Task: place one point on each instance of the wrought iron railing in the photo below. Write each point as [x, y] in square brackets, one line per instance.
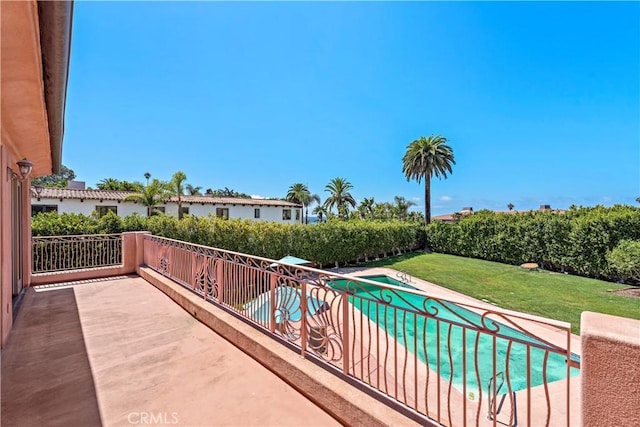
[65, 253]
[454, 363]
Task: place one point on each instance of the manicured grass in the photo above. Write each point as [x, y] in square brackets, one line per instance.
[552, 295]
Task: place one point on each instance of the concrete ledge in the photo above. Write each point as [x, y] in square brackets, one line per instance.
[610, 374]
[343, 401]
[74, 275]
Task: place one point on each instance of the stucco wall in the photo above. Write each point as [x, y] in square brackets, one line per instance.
[88, 206]
[610, 365]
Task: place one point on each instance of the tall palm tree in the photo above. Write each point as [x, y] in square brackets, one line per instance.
[193, 191]
[320, 211]
[425, 158]
[510, 206]
[366, 207]
[299, 193]
[402, 206]
[150, 196]
[340, 196]
[638, 199]
[147, 175]
[307, 199]
[177, 186]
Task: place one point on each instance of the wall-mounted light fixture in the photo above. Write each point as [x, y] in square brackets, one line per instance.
[24, 166]
[38, 189]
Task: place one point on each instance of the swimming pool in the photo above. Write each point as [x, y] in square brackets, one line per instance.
[287, 305]
[419, 333]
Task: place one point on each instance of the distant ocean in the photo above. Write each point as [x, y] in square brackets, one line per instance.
[313, 219]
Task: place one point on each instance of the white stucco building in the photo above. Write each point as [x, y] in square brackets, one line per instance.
[66, 200]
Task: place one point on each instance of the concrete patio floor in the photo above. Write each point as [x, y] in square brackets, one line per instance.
[119, 352]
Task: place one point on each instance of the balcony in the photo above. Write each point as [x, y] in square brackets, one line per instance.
[204, 336]
[119, 352]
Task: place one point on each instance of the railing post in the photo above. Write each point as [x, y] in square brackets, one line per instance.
[272, 303]
[345, 333]
[303, 324]
[220, 280]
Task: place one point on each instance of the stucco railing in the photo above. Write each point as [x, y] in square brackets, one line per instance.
[66, 253]
[433, 359]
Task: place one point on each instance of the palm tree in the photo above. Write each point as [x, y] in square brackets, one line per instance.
[150, 196]
[425, 158]
[402, 206]
[307, 199]
[320, 211]
[177, 187]
[638, 199]
[340, 196]
[510, 206]
[299, 193]
[366, 207]
[147, 175]
[193, 191]
[108, 184]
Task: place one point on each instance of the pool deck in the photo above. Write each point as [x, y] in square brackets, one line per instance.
[119, 352]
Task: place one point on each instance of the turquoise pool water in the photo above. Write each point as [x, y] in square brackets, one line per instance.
[417, 333]
[287, 304]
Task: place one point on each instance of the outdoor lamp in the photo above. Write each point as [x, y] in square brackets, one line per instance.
[25, 167]
[38, 189]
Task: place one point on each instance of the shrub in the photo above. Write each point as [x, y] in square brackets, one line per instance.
[624, 259]
[333, 242]
[576, 241]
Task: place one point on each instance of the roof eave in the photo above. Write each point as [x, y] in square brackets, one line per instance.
[55, 19]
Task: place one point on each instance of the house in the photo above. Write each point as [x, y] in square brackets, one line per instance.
[126, 343]
[82, 201]
[36, 38]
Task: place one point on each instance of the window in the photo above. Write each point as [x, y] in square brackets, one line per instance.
[297, 214]
[222, 213]
[256, 213]
[286, 214]
[35, 209]
[185, 211]
[157, 210]
[103, 210]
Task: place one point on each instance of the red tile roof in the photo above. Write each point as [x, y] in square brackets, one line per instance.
[67, 193]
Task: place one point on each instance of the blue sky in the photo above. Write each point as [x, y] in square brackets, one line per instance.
[540, 101]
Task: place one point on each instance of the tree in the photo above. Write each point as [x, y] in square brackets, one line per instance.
[306, 201]
[108, 184]
[147, 175]
[402, 206]
[117, 185]
[56, 180]
[320, 211]
[299, 193]
[510, 206]
[638, 199]
[340, 196]
[193, 191]
[151, 195]
[177, 187]
[425, 158]
[366, 208]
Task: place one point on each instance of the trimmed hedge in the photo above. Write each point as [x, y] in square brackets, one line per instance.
[576, 241]
[334, 242]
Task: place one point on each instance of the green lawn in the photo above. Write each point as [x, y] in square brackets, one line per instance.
[553, 295]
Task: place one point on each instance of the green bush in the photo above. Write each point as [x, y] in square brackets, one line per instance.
[575, 241]
[331, 243]
[624, 260]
